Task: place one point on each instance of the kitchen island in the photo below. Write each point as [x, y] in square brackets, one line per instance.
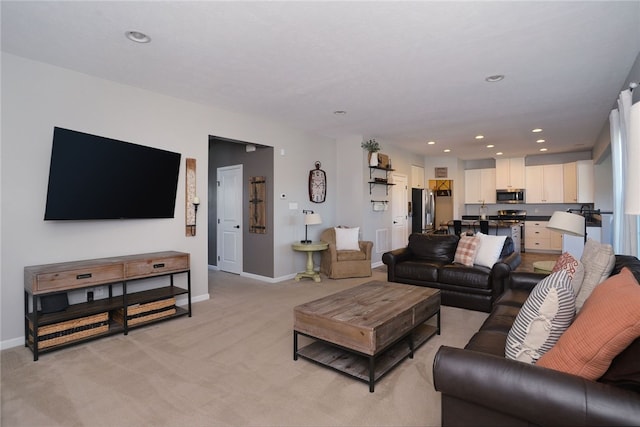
[496, 227]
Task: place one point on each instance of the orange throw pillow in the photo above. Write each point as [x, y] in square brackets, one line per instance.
[608, 322]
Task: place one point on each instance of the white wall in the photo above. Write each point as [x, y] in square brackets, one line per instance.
[36, 97]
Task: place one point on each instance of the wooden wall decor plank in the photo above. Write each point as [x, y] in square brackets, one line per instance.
[190, 193]
[258, 205]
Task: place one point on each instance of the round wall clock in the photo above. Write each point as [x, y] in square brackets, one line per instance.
[317, 184]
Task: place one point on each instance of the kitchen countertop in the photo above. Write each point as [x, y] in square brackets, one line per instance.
[594, 221]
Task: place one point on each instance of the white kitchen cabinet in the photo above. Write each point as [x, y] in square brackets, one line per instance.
[544, 184]
[578, 182]
[480, 186]
[510, 173]
[417, 176]
[539, 238]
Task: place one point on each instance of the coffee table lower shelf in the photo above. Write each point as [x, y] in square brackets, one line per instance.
[362, 366]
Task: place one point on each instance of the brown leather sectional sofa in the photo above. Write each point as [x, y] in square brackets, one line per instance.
[428, 261]
[481, 387]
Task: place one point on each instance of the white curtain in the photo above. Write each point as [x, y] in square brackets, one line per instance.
[625, 227]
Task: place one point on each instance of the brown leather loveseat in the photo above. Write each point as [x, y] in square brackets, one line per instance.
[428, 261]
[480, 386]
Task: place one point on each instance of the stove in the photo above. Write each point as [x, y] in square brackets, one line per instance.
[514, 216]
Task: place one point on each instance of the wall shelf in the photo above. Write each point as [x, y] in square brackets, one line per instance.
[379, 181]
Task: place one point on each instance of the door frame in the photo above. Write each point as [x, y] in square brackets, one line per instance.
[240, 219]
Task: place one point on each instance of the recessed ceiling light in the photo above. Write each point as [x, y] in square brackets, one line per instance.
[540, 141]
[479, 136]
[137, 36]
[543, 149]
[536, 130]
[494, 78]
[499, 153]
[431, 143]
[340, 112]
[490, 146]
[446, 150]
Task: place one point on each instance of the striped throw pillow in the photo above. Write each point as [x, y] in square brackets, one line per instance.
[466, 250]
[545, 315]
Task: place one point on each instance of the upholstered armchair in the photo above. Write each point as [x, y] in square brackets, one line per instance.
[340, 264]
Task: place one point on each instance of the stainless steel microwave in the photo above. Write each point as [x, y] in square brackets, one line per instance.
[510, 196]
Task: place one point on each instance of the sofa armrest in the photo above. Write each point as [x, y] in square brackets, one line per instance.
[521, 391]
[501, 270]
[523, 280]
[390, 259]
[366, 246]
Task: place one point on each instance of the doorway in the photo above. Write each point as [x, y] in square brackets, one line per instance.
[257, 249]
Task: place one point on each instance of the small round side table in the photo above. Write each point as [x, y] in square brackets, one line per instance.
[309, 248]
[543, 266]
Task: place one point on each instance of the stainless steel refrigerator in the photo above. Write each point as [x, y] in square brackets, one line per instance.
[418, 205]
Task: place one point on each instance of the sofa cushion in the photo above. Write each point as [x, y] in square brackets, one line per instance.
[466, 250]
[347, 239]
[490, 342]
[598, 260]
[418, 270]
[501, 320]
[608, 322]
[624, 371]
[574, 269]
[351, 255]
[545, 315]
[489, 249]
[434, 247]
[513, 297]
[468, 277]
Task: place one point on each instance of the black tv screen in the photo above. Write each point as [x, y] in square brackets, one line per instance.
[92, 177]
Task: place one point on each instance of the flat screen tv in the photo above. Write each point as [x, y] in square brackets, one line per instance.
[92, 177]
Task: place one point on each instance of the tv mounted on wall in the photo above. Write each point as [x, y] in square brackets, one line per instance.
[93, 177]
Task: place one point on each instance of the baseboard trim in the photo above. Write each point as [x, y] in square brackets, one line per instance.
[269, 279]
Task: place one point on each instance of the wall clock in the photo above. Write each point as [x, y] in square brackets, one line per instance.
[317, 184]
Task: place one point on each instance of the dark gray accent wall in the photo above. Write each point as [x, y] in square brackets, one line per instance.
[258, 257]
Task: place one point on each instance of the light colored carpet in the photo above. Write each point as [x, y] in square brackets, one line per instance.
[231, 364]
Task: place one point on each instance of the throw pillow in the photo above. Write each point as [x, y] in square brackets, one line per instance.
[608, 322]
[598, 260]
[466, 250]
[545, 315]
[488, 251]
[347, 239]
[574, 269]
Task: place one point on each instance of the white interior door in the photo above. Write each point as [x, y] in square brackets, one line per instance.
[399, 212]
[229, 236]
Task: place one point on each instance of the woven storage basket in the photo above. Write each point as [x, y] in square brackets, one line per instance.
[140, 313]
[70, 330]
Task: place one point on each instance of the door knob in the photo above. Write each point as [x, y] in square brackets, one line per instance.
[236, 226]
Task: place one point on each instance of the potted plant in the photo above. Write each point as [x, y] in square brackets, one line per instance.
[372, 146]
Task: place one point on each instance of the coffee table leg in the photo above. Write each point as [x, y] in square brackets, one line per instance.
[295, 345]
[438, 320]
[372, 369]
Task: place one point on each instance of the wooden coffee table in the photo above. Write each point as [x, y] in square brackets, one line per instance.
[367, 330]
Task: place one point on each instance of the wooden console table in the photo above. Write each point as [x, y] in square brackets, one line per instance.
[101, 317]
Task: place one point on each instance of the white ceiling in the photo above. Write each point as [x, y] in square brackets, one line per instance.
[405, 72]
